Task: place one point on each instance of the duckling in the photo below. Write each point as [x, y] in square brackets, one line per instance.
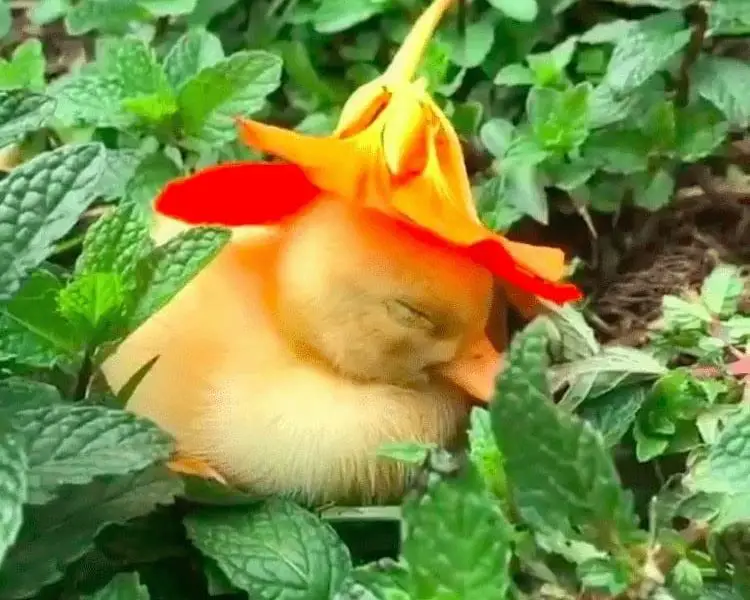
[303, 347]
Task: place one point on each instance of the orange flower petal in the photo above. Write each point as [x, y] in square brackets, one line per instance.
[237, 194]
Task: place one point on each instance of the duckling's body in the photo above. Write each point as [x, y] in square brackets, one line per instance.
[301, 349]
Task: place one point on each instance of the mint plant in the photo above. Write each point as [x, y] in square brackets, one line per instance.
[598, 471]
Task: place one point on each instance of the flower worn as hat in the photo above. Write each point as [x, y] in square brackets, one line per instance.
[394, 151]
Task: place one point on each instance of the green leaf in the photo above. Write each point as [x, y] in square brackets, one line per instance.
[168, 8]
[456, 522]
[607, 33]
[514, 74]
[72, 444]
[333, 16]
[25, 68]
[470, 50]
[722, 290]
[30, 326]
[13, 490]
[408, 452]
[496, 135]
[384, 580]
[618, 150]
[6, 18]
[173, 265]
[523, 189]
[653, 191]
[22, 112]
[686, 579]
[725, 82]
[150, 176]
[559, 119]
[484, 452]
[109, 15]
[41, 200]
[73, 520]
[520, 10]
[125, 84]
[277, 550]
[17, 393]
[574, 481]
[613, 367]
[614, 412]
[116, 243]
[236, 86]
[681, 314]
[726, 468]
[123, 586]
[46, 11]
[645, 49]
[196, 50]
[94, 303]
[701, 129]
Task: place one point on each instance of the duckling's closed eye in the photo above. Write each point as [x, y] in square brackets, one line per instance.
[404, 313]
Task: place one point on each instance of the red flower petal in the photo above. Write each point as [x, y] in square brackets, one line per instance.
[237, 194]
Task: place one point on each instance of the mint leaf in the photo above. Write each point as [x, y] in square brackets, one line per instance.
[126, 83]
[73, 444]
[115, 243]
[496, 135]
[611, 368]
[30, 325]
[277, 550]
[22, 112]
[456, 522]
[333, 16]
[111, 16]
[726, 468]
[722, 289]
[94, 303]
[522, 187]
[173, 265]
[484, 452]
[40, 201]
[470, 50]
[520, 10]
[645, 49]
[13, 490]
[514, 74]
[168, 8]
[191, 53]
[574, 482]
[725, 82]
[17, 393]
[25, 68]
[653, 191]
[701, 129]
[614, 412]
[559, 119]
[618, 150]
[123, 586]
[384, 580]
[408, 452]
[236, 86]
[150, 176]
[73, 520]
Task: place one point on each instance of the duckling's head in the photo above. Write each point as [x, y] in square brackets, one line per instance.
[371, 299]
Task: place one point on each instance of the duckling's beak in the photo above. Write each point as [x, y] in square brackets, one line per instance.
[475, 369]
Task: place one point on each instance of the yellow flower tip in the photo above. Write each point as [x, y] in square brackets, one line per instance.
[404, 134]
[406, 61]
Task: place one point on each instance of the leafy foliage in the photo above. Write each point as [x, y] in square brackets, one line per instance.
[599, 471]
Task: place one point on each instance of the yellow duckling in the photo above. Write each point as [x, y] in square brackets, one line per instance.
[348, 311]
[292, 358]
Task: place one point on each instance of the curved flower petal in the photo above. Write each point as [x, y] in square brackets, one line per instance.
[236, 194]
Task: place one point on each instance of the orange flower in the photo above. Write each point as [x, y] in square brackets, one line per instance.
[394, 151]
